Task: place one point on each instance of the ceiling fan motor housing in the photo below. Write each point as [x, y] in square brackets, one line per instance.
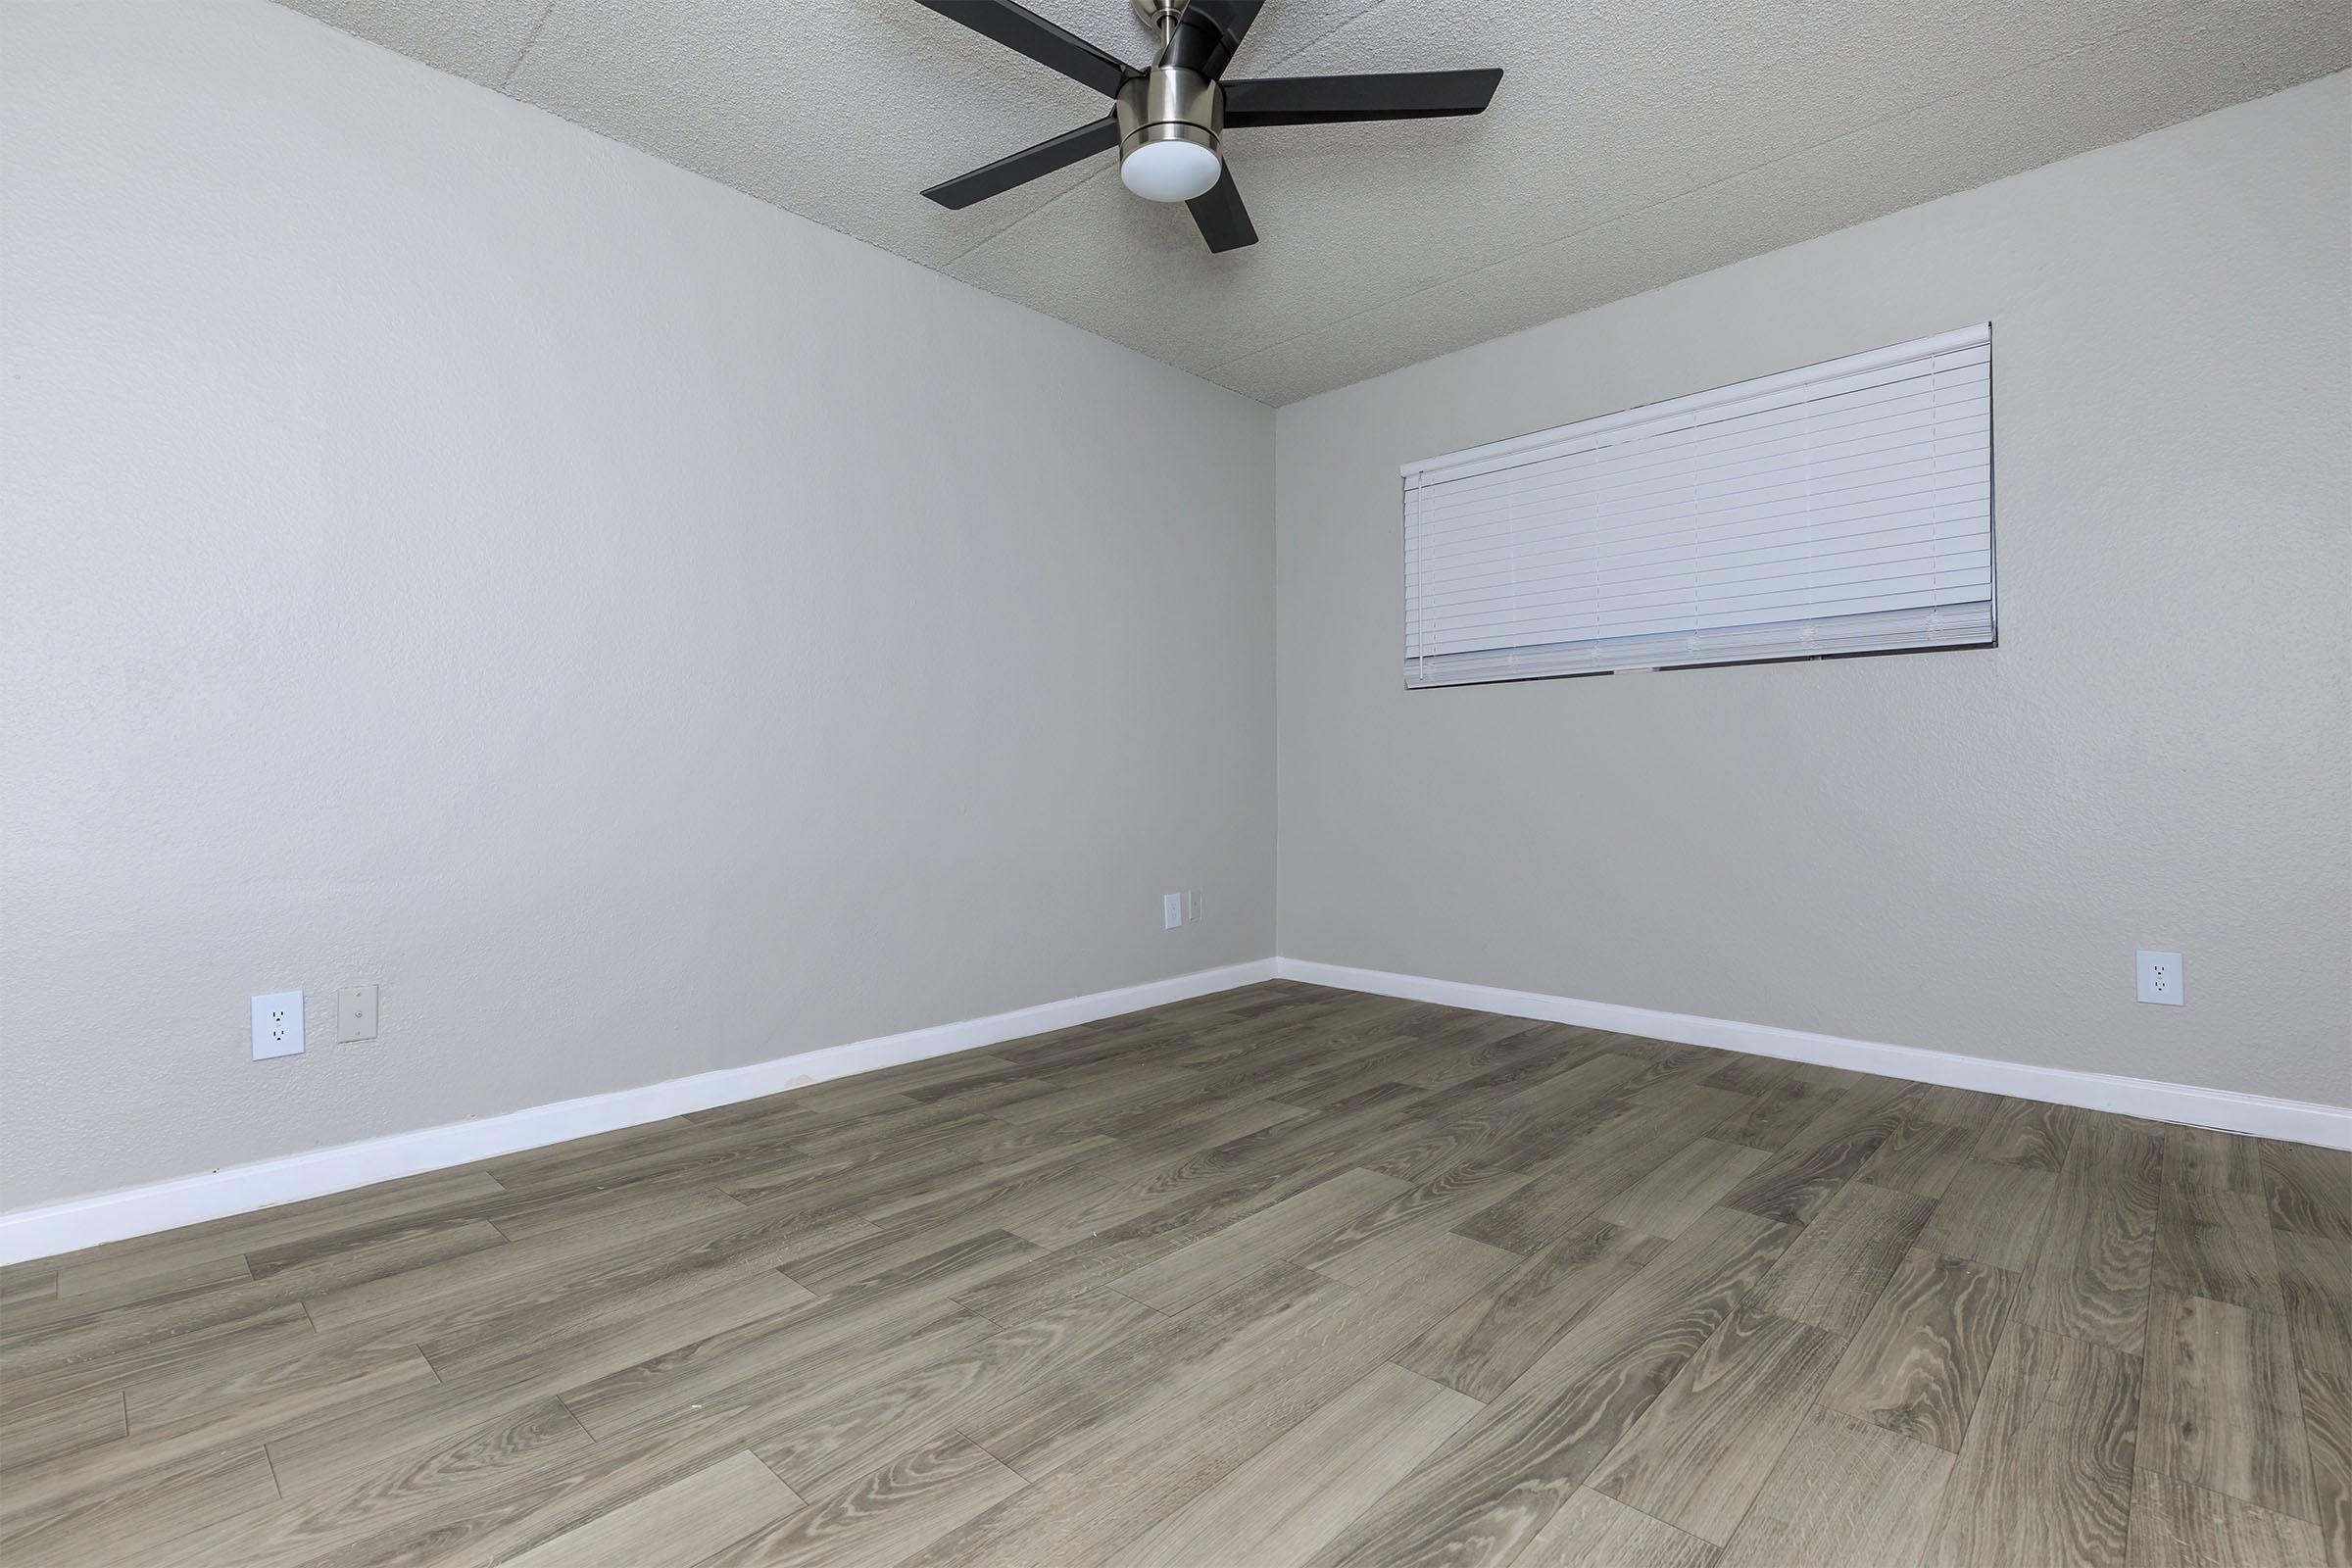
[1170, 102]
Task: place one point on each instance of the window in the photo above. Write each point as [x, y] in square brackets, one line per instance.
[1841, 509]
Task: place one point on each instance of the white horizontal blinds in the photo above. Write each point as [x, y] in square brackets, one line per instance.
[1844, 507]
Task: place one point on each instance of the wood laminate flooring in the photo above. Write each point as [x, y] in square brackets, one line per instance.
[1279, 1277]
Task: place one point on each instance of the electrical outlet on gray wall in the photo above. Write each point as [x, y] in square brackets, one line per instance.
[2160, 979]
[277, 1024]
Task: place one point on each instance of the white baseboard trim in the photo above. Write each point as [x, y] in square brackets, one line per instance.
[81, 1222]
[2296, 1120]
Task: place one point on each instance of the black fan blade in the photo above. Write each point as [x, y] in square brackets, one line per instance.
[1208, 32]
[1396, 95]
[1018, 28]
[1224, 221]
[1018, 168]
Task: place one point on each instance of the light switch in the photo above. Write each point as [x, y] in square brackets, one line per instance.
[355, 1013]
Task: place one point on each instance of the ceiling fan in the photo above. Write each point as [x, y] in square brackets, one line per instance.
[1169, 118]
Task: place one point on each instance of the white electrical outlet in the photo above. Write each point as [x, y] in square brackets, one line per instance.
[2160, 979]
[355, 1013]
[1171, 910]
[277, 1025]
[1191, 907]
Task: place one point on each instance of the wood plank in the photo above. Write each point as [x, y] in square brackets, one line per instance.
[1290, 1497]
[1782, 1098]
[2090, 1279]
[2044, 1477]
[2218, 1246]
[514, 1349]
[1408, 1228]
[679, 1524]
[776, 1359]
[1591, 1531]
[122, 1281]
[1484, 1345]
[1955, 1108]
[1843, 1495]
[2310, 1189]
[2325, 1386]
[1046, 1425]
[1217, 1262]
[943, 1259]
[1832, 1275]
[1916, 1364]
[883, 1519]
[21, 1283]
[59, 1427]
[1994, 1214]
[118, 1348]
[858, 1431]
[2031, 1134]
[256, 1397]
[139, 1519]
[1921, 1157]
[2177, 1524]
[1145, 1173]
[1829, 1152]
[1695, 1178]
[2203, 1159]
[2315, 1279]
[361, 1213]
[1154, 1458]
[1698, 1457]
[1502, 1478]
[1603, 1163]
[2222, 1408]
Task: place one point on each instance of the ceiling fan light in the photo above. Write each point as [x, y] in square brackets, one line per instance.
[1171, 170]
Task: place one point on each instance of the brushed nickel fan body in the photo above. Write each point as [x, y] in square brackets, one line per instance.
[1173, 113]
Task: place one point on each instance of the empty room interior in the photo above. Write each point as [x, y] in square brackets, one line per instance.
[1175, 784]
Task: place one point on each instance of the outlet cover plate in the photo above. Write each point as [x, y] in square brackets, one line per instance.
[2161, 980]
[1171, 910]
[277, 1024]
[355, 1013]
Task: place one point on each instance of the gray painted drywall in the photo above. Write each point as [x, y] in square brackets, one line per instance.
[645, 632]
[1958, 851]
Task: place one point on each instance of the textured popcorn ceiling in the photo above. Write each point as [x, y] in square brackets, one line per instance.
[1633, 142]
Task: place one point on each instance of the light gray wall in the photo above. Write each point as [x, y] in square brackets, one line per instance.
[1958, 851]
[645, 632]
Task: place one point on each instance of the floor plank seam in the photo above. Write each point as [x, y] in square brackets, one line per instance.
[1027, 1479]
[1645, 1513]
[992, 1323]
[575, 1419]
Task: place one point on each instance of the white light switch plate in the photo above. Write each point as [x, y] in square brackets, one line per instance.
[355, 1013]
[2160, 979]
[277, 1026]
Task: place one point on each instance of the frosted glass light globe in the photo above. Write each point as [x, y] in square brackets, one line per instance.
[1170, 170]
